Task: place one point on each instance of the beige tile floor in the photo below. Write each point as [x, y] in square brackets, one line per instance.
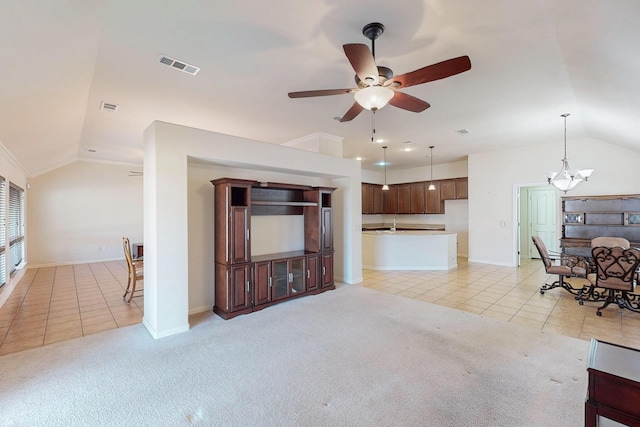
[59, 303]
[513, 295]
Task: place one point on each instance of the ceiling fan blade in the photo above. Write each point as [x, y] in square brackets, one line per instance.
[438, 71]
[408, 102]
[362, 62]
[325, 92]
[352, 113]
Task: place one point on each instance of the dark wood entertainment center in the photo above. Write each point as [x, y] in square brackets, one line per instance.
[243, 283]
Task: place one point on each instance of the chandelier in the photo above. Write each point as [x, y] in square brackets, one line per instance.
[565, 179]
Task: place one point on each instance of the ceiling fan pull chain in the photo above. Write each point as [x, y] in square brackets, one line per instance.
[373, 125]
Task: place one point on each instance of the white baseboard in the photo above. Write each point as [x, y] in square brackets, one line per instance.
[84, 261]
[157, 335]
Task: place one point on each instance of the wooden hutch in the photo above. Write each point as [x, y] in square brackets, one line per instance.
[586, 217]
[244, 283]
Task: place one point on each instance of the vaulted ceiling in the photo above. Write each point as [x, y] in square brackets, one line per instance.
[532, 60]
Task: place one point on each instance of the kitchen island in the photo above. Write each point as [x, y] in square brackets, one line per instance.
[409, 250]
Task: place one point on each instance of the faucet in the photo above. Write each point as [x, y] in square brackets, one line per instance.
[394, 224]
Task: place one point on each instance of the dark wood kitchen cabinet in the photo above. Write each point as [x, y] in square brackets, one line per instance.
[413, 198]
[372, 199]
[452, 189]
[404, 198]
[435, 204]
[418, 200]
[367, 198]
[390, 198]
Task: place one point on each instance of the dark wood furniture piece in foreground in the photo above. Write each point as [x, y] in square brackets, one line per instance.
[244, 283]
[614, 385]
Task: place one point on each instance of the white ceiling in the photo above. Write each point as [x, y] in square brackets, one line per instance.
[532, 60]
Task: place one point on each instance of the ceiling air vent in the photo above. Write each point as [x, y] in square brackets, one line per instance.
[179, 65]
[107, 106]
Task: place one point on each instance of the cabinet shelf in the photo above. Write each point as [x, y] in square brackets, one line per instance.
[276, 203]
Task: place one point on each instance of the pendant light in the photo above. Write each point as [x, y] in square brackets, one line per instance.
[385, 187]
[565, 179]
[431, 186]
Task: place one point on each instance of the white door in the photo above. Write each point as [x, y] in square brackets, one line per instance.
[542, 218]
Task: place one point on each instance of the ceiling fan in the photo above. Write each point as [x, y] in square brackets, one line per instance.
[377, 85]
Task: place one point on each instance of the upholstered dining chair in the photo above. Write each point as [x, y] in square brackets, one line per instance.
[136, 272]
[569, 266]
[610, 242]
[616, 269]
[592, 293]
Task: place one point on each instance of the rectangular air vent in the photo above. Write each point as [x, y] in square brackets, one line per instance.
[107, 106]
[179, 65]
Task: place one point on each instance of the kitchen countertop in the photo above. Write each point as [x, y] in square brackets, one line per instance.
[401, 226]
[388, 232]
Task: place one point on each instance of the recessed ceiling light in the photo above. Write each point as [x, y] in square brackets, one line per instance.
[358, 158]
[380, 141]
[408, 149]
[462, 131]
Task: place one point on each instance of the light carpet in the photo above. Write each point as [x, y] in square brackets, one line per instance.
[349, 357]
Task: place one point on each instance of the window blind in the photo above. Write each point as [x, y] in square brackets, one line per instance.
[3, 233]
[16, 226]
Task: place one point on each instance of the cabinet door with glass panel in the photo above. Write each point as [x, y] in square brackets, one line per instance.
[288, 277]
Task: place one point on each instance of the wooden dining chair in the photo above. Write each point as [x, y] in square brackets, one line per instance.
[616, 269]
[136, 272]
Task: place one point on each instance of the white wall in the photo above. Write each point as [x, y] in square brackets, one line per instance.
[171, 195]
[494, 175]
[12, 171]
[79, 213]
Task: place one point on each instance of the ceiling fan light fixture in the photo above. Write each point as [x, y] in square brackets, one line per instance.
[374, 97]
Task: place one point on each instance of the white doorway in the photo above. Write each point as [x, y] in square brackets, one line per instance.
[537, 216]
